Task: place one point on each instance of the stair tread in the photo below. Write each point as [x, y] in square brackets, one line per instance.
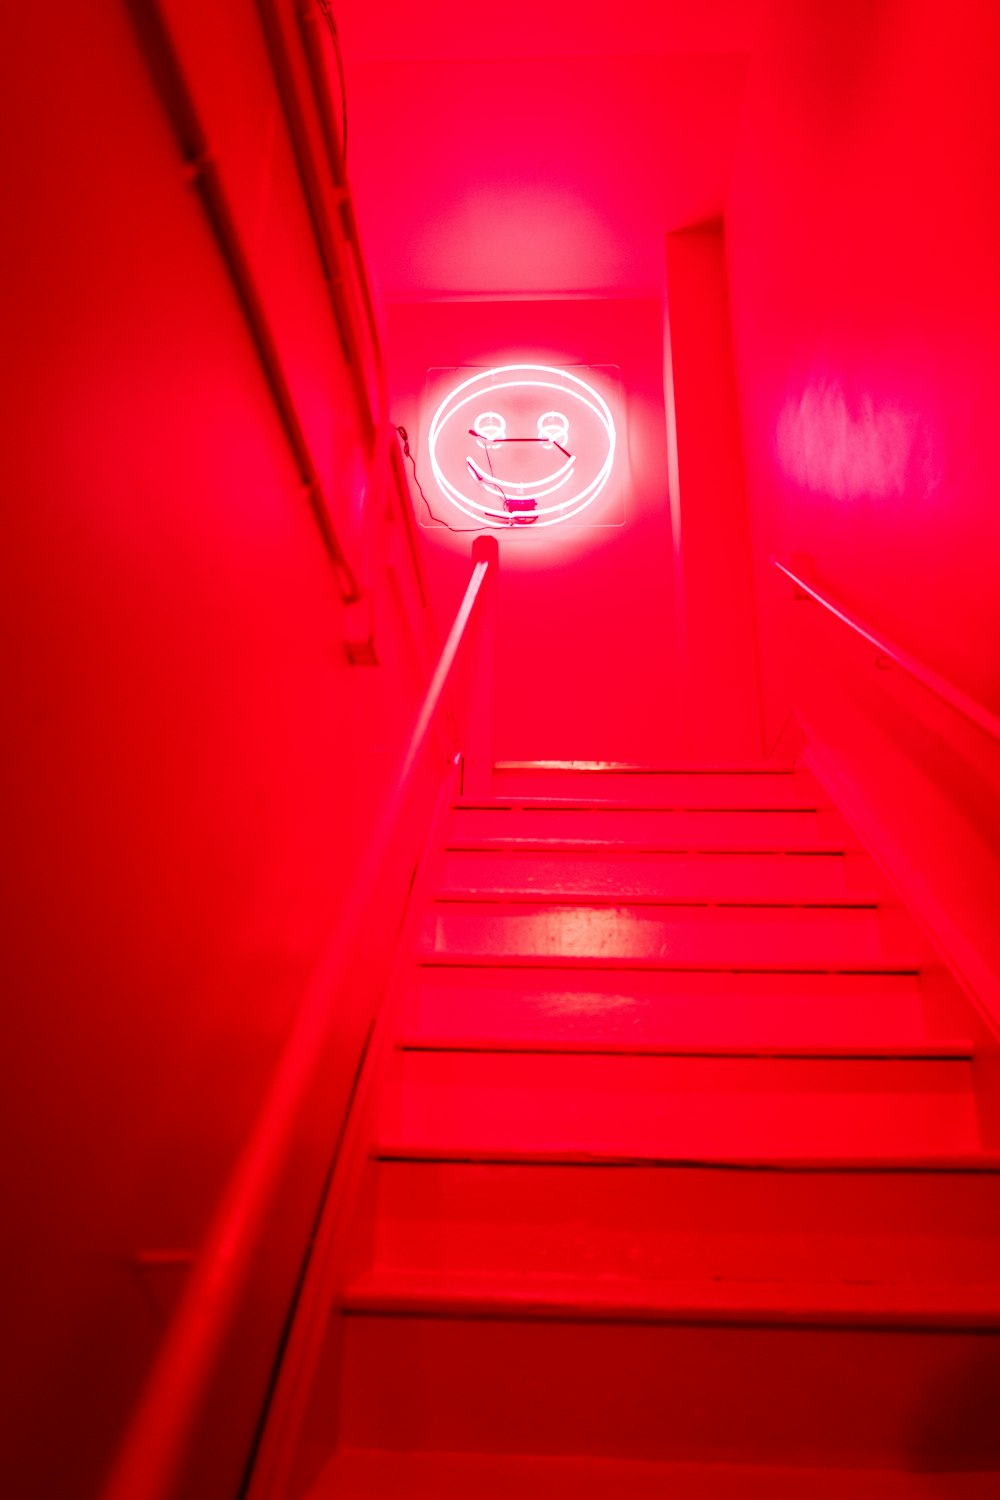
[665, 1008]
[381, 1475]
[759, 879]
[520, 1293]
[722, 937]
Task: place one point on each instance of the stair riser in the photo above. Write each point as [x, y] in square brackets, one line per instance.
[680, 1108]
[677, 1223]
[663, 1009]
[720, 789]
[633, 828]
[671, 1391]
[361, 1475]
[719, 937]
[755, 878]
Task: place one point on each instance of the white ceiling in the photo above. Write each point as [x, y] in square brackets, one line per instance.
[401, 31]
[531, 150]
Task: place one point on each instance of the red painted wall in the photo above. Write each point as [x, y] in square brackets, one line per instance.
[863, 233]
[585, 666]
[191, 765]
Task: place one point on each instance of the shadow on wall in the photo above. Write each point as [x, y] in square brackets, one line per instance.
[954, 1425]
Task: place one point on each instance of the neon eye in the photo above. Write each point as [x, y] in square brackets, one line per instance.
[490, 426]
[554, 427]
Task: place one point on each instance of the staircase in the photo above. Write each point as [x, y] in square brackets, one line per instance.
[677, 1184]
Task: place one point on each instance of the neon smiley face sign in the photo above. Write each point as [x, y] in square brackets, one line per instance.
[522, 445]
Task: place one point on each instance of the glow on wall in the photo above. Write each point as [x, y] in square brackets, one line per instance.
[522, 445]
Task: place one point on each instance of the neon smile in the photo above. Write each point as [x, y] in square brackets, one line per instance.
[523, 499]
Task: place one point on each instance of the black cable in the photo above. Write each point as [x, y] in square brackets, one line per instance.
[327, 14]
[404, 435]
[520, 516]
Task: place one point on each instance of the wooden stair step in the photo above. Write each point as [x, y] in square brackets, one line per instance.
[678, 1108]
[851, 1223]
[758, 879]
[644, 1008]
[736, 937]
[683, 1390]
[519, 1294]
[645, 787]
[373, 1475]
[500, 826]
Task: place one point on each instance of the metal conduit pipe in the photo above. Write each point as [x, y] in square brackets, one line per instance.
[175, 96]
[372, 403]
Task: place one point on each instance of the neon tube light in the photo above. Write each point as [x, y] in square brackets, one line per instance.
[516, 414]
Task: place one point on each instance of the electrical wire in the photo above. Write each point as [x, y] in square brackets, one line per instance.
[518, 513]
[517, 518]
[404, 437]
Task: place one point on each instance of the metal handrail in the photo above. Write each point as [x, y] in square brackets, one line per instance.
[159, 1438]
[946, 691]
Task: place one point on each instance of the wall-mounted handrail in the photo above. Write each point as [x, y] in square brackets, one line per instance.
[158, 1442]
[946, 691]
